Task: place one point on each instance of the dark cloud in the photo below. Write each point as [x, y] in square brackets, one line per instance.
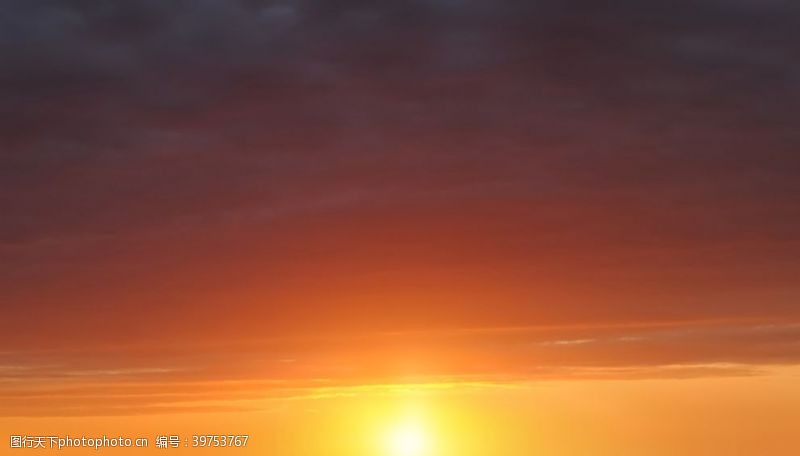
[571, 137]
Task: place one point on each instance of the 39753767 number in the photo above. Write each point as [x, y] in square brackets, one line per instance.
[219, 441]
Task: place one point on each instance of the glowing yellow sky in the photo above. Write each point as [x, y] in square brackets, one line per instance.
[702, 417]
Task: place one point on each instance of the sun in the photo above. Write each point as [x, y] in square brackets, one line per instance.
[407, 439]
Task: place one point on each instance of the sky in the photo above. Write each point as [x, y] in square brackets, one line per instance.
[547, 215]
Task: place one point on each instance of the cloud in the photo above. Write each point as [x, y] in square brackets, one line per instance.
[252, 374]
[179, 171]
[208, 98]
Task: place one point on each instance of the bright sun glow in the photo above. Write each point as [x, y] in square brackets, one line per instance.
[408, 439]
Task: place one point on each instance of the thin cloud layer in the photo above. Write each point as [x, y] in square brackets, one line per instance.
[252, 375]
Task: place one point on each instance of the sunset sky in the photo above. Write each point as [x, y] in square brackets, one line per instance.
[507, 228]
